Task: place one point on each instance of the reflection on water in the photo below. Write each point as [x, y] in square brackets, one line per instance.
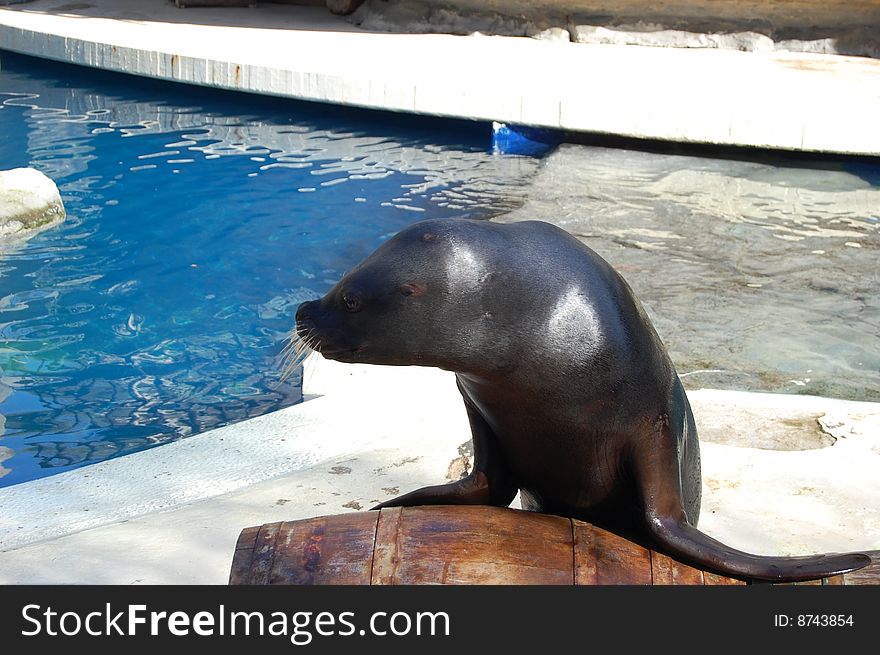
[758, 276]
[197, 222]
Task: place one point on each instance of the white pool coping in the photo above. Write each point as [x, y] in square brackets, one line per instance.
[222, 460]
[792, 101]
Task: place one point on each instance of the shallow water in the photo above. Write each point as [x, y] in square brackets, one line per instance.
[197, 222]
[760, 274]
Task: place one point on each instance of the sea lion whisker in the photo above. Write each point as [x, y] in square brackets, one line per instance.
[309, 343]
[294, 353]
[292, 339]
[288, 348]
[309, 365]
[287, 354]
[283, 359]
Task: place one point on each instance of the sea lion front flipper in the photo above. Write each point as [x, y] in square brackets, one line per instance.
[489, 483]
[658, 477]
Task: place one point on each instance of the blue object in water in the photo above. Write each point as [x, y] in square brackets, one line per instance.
[523, 140]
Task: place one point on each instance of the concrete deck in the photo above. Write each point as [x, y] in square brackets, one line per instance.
[792, 101]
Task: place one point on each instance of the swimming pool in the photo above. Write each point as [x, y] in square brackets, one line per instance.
[197, 222]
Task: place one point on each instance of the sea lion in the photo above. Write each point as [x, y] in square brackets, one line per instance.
[571, 396]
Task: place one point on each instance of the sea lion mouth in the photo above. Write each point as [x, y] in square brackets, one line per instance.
[323, 343]
[345, 355]
[339, 354]
[330, 351]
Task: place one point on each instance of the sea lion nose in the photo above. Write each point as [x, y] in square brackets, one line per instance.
[302, 312]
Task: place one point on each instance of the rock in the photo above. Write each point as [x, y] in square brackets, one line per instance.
[5, 390]
[796, 26]
[646, 34]
[5, 453]
[557, 34]
[431, 18]
[29, 203]
[745, 41]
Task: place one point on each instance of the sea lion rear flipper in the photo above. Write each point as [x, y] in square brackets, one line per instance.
[658, 478]
[683, 541]
[489, 483]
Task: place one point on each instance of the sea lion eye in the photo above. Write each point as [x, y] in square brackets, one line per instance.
[411, 289]
[352, 302]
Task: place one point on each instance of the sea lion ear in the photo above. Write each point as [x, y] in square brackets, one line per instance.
[412, 289]
[429, 236]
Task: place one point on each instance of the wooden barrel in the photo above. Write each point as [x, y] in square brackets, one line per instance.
[462, 545]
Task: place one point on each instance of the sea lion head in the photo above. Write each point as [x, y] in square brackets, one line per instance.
[422, 298]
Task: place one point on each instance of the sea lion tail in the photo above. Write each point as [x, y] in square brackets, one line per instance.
[684, 541]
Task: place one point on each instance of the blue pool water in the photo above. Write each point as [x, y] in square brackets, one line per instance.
[197, 222]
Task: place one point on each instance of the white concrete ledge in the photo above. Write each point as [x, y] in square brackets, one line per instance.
[233, 457]
[792, 101]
